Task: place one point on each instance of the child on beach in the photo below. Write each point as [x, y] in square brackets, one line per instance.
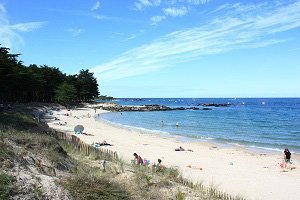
[158, 166]
[138, 159]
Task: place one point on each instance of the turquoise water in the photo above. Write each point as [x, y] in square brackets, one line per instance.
[272, 124]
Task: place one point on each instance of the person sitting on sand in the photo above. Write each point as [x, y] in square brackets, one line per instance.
[139, 160]
[158, 166]
[287, 155]
[104, 143]
[182, 149]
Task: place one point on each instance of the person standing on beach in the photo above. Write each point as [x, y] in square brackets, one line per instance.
[287, 155]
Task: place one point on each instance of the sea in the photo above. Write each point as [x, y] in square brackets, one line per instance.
[263, 124]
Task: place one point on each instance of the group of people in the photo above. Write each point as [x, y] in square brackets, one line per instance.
[139, 161]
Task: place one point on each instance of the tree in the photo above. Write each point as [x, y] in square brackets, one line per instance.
[19, 83]
[87, 86]
[65, 93]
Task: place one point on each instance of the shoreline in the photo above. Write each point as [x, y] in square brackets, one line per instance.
[183, 138]
[234, 170]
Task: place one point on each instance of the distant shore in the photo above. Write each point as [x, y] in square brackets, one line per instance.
[235, 170]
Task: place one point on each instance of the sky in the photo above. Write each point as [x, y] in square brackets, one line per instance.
[163, 48]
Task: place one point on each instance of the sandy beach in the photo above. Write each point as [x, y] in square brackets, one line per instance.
[253, 175]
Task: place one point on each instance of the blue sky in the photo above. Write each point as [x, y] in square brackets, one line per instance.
[163, 48]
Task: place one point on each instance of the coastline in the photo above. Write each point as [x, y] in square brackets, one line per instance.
[235, 170]
[182, 138]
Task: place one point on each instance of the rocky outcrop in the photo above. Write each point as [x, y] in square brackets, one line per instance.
[155, 107]
[215, 104]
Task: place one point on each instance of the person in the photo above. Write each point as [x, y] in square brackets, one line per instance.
[180, 149]
[287, 155]
[158, 166]
[104, 143]
[139, 160]
[177, 124]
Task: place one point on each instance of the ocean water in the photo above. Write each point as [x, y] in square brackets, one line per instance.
[260, 123]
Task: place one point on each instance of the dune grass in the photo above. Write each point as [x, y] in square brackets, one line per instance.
[7, 185]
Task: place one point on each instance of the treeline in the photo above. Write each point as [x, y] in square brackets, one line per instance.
[19, 83]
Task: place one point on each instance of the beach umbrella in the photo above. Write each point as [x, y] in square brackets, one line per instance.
[78, 129]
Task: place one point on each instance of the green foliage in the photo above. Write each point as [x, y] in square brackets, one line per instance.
[7, 186]
[87, 86]
[65, 93]
[180, 195]
[105, 97]
[19, 83]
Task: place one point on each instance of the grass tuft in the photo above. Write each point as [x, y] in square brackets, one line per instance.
[7, 186]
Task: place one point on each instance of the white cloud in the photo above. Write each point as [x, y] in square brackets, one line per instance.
[96, 6]
[141, 4]
[75, 32]
[156, 19]
[9, 33]
[226, 33]
[27, 27]
[172, 11]
[197, 2]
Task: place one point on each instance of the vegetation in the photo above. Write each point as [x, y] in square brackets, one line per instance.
[20, 83]
[6, 185]
[105, 97]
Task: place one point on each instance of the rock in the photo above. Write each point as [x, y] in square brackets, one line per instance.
[215, 104]
[144, 108]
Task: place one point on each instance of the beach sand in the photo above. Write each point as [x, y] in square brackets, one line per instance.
[251, 174]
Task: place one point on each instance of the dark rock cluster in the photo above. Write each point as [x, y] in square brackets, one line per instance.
[215, 104]
[155, 107]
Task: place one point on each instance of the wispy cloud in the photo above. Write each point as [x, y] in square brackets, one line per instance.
[175, 8]
[197, 2]
[9, 33]
[226, 33]
[156, 19]
[96, 6]
[141, 4]
[27, 27]
[75, 32]
[173, 11]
